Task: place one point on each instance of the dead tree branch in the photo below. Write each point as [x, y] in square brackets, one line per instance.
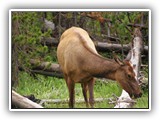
[137, 25]
[23, 102]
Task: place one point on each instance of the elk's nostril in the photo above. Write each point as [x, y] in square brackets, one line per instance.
[131, 95]
[138, 95]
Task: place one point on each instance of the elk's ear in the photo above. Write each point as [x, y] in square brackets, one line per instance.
[120, 62]
[117, 59]
[128, 57]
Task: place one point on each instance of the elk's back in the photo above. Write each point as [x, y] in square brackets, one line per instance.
[73, 49]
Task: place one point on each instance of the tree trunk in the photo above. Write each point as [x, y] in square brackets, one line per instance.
[23, 102]
[135, 54]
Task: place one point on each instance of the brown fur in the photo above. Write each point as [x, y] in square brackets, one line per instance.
[80, 63]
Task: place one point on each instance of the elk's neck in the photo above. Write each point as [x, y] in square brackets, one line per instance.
[103, 68]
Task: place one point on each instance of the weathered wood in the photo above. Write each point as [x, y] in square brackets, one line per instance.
[135, 54]
[124, 97]
[137, 25]
[103, 46]
[100, 46]
[46, 66]
[45, 73]
[23, 102]
[49, 41]
[49, 25]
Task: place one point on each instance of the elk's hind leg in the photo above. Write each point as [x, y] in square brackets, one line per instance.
[91, 95]
[71, 86]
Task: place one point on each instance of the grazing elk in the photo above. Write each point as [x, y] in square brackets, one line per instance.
[80, 63]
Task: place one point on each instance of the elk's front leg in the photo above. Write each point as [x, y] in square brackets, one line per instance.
[84, 90]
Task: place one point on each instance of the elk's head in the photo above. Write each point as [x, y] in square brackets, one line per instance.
[125, 76]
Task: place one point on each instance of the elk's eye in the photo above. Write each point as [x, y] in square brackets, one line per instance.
[129, 76]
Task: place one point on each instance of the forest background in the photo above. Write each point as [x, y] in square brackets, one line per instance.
[35, 36]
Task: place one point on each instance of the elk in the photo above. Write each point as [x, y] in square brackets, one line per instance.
[80, 63]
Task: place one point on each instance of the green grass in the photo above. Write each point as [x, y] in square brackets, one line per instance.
[143, 101]
[54, 88]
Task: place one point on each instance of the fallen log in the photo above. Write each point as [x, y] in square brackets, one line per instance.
[49, 41]
[100, 46]
[103, 46]
[23, 102]
[45, 73]
[46, 66]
